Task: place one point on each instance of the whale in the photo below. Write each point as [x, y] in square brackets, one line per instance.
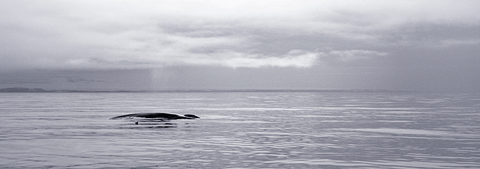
[166, 116]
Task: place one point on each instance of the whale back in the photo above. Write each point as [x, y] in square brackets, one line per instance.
[191, 116]
[158, 115]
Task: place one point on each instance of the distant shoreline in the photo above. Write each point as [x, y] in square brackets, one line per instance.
[40, 90]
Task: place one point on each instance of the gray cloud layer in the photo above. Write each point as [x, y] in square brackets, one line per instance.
[391, 43]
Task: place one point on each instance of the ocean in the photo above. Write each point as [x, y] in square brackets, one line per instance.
[311, 129]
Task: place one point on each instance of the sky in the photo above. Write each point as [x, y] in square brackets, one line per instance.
[407, 45]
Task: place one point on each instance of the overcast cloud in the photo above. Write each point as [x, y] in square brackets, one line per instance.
[429, 45]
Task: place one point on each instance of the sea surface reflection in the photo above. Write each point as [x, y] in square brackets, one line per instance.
[241, 130]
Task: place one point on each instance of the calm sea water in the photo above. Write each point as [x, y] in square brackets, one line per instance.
[241, 130]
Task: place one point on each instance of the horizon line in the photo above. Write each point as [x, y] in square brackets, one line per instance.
[40, 90]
